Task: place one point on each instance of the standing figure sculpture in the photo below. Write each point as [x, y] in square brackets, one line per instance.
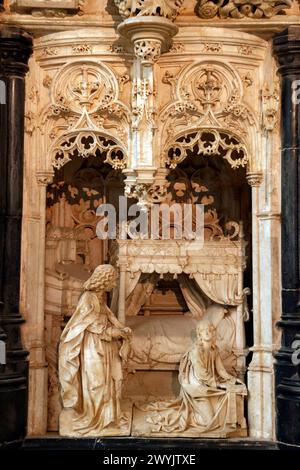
[210, 402]
[93, 347]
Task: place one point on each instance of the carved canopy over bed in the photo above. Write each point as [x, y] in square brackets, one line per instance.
[210, 277]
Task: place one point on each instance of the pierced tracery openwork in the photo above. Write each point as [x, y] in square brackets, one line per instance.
[208, 142]
[85, 116]
[85, 144]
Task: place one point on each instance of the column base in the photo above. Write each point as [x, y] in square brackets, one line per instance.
[288, 410]
[261, 403]
[13, 407]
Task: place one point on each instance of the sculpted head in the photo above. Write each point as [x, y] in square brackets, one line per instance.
[205, 331]
[103, 279]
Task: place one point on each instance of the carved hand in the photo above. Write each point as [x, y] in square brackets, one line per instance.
[118, 334]
[127, 331]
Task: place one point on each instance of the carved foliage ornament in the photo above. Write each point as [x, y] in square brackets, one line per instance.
[85, 144]
[148, 51]
[208, 142]
[237, 9]
[270, 105]
[164, 8]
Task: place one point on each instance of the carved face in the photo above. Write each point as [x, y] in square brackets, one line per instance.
[205, 332]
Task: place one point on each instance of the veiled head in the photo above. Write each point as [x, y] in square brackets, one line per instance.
[103, 278]
[205, 331]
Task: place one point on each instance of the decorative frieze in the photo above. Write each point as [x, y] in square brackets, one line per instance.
[237, 9]
[82, 49]
[213, 47]
[53, 8]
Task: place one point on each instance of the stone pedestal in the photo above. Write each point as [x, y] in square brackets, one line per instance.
[15, 49]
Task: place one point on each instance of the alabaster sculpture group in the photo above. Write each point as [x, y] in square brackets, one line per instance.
[94, 353]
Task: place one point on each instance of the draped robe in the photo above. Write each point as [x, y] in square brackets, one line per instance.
[202, 404]
[90, 365]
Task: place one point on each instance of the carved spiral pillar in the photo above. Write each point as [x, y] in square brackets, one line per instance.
[15, 49]
[287, 49]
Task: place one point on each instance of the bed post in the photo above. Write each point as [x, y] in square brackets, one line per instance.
[122, 294]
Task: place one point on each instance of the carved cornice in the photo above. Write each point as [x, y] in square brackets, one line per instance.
[44, 8]
[237, 9]
[15, 50]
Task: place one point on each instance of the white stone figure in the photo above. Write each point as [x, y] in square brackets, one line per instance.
[93, 346]
[210, 401]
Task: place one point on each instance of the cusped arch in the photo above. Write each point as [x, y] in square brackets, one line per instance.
[84, 143]
[209, 142]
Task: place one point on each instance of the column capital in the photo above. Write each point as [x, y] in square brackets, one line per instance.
[254, 178]
[286, 47]
[15, 50]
